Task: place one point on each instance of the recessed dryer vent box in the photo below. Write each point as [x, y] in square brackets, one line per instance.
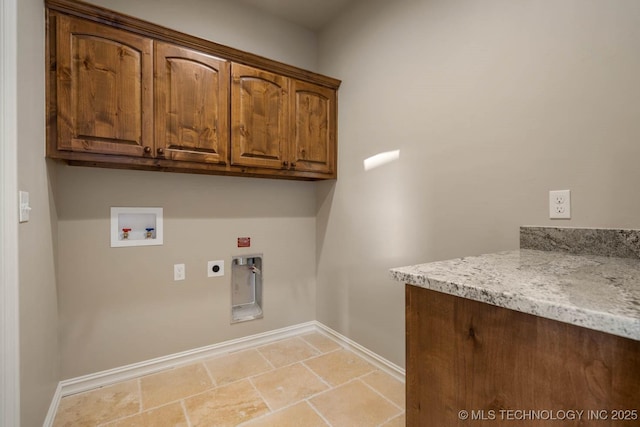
[246, 288]
[136, 227]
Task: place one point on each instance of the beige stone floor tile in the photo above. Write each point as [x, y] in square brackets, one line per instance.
[171, 415]
[174, 384]
[299, 415]
[321, 342]
[287, 385]
[354, 404]
[399, 421]
[388, 386]
[339, 366]
[99, 406]
[244, 387]
[228, 405]
[236, 366]
[287, 351]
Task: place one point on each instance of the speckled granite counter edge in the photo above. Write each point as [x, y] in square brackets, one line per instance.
[599, 321]
[582, 241]
[613, 243]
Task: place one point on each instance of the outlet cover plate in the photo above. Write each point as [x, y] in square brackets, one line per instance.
[560, 204]
[179, 272]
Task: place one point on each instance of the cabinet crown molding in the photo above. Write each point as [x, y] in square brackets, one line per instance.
[147, 29]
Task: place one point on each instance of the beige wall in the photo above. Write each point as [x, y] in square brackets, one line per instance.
[491, 104]
[39, 355]
[229, 23]
[121, 305]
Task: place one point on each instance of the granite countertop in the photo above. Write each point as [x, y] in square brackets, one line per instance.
[592, 291]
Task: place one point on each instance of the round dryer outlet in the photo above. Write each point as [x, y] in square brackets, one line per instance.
[215, 268]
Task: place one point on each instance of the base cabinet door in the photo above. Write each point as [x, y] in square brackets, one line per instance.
[104, 89]
[192, 98]
[472, 364]
[259, 118]
[313, 146]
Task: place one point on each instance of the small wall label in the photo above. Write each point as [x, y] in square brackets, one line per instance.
[244, 242]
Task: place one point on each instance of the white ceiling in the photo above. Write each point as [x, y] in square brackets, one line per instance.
[312, 14]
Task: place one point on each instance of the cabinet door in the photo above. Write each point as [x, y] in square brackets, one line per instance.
[104, 88]
[313, 139]
[192, 98]
[259, 113]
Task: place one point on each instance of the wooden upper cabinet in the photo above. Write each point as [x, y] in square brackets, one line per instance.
[259, 117]
[313, 140]
[282, 123]
[104, 89]
[126, 93]
[192, 105]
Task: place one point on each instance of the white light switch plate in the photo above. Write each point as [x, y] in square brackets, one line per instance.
[25, 209]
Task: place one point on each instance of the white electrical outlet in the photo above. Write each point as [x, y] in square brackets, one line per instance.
[560, 204]
[179, 272]
[215, 268]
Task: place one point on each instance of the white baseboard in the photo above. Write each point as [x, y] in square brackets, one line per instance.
[135, 370]
[53, 407]
[123, 373]
[368, 355]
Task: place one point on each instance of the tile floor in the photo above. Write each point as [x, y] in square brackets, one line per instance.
[304, 381]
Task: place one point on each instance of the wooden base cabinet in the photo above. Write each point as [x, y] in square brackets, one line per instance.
[125, 93]
[474, 364]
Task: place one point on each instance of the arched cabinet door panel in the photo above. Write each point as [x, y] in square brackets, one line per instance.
[192, 113]
[259, 117]
[104, 89]
[313, 146]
